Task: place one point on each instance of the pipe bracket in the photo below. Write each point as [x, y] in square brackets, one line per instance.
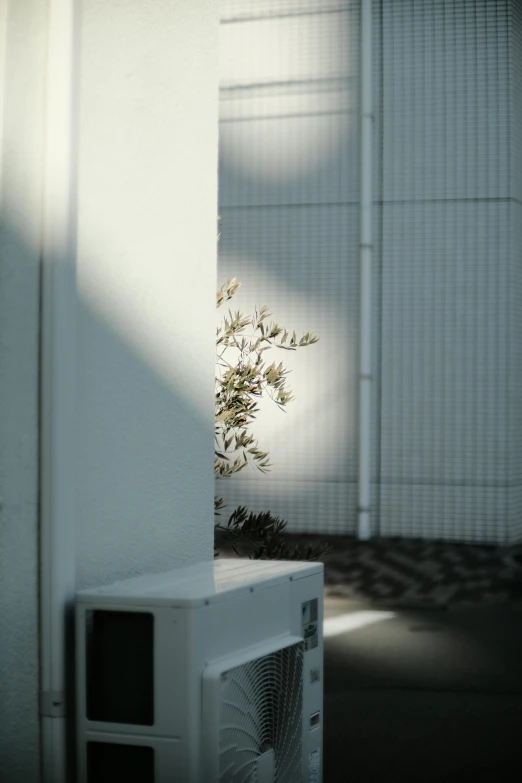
[52, 704]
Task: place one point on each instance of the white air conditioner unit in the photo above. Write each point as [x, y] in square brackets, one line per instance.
[207, 674]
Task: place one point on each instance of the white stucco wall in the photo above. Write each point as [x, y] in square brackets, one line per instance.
[146, 280]
[147, 207]
[22, 71]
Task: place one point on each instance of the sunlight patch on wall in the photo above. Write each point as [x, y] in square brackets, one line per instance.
[306, 441]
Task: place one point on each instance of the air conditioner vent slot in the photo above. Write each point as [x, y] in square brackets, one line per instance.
[120, 667]
[108, 762]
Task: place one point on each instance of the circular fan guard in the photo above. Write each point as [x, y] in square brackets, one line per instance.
[260, 711]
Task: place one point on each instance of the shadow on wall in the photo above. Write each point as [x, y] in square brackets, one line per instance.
[19, 667]
[144, 489]
[145, 473]
[141, 442]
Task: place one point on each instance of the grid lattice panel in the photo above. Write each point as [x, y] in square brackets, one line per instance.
[288, 113]
[446, 270]
[445, 369]
[515, 81]
[303, 263]
[515, 67]
[446, 99]
[316, 507]
[515, 372]
[447, 155]
[289, 206]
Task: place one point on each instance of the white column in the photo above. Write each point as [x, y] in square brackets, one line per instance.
[366, 252]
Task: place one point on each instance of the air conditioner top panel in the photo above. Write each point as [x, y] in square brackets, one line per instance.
[195, 585]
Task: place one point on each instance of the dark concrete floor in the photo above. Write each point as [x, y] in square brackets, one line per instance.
[433, 694]
[424, 696]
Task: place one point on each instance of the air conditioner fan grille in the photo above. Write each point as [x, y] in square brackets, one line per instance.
[260, 711]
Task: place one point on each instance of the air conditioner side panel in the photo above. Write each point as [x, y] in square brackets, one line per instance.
[303, 591]
[172, 689]
[167, 753]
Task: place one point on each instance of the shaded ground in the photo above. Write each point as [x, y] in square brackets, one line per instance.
[433, 693]
[424, 697]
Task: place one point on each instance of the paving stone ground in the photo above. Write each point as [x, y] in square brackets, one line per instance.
[419, 573]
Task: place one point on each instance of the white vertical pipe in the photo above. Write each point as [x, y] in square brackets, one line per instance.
[58, 392]
[366, 252]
